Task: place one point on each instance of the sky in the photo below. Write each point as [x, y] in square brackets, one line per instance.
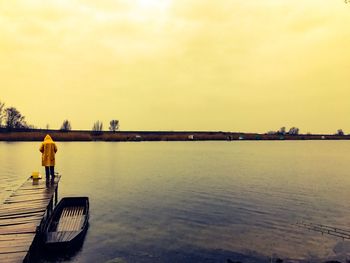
[174, 65]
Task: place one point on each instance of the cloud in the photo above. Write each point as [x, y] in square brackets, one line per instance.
[208, 58]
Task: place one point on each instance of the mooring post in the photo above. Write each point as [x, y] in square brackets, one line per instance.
[50, 208]
[56, 195]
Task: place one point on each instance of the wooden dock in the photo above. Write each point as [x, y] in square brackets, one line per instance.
[21, 216]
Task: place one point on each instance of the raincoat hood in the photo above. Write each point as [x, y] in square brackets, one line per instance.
[48, 138]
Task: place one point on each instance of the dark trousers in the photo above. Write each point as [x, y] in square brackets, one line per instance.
[50, 170]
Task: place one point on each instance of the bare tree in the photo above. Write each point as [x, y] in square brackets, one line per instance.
[282, 131]
[97, 127]
[293, 131]
[340, 132]
[14, 119]
[114, 125]
[2, 112]
[66, 126]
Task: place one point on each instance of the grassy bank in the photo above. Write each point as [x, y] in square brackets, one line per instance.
[38, 135]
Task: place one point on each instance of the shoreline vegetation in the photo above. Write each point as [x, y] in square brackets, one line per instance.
[17, 129]
[121, 136]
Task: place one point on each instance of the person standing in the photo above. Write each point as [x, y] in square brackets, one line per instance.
[48, 149]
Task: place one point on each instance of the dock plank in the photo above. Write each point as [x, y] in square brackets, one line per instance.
[16, 237]
[40, 213]
[13, 248]
[19, 228]
[19, 220]
[21, 215]
[12, 206]
[32, 191]
[13, 257]
[14, 212]
[28, 202]
[29, 194]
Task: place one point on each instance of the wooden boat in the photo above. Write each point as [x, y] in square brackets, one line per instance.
[68, 223]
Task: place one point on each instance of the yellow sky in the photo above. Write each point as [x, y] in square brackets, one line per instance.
[230, 65]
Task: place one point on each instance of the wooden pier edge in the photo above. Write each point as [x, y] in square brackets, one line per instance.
[22, 216]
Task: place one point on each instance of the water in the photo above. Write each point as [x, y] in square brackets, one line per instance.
[198, 201]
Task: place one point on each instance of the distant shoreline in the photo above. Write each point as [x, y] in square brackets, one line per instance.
[125, 136]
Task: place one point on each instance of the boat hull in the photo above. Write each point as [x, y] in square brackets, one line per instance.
[67, 226]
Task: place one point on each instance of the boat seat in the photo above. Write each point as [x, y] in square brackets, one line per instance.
[71, 219]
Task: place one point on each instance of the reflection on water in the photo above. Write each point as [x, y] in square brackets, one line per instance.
[199, 201]
[16, 164]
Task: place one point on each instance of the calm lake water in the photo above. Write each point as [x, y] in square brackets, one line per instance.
[198, 201]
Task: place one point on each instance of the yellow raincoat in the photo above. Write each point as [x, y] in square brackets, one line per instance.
[48, 149]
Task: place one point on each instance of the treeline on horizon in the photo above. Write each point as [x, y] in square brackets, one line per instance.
[14, 121]
[11, 120]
